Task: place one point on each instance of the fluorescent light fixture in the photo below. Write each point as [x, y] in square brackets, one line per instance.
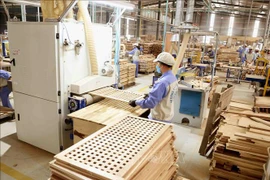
[256, 28]
[119, 4]
[231, 22]
[212, 20]
[127, 28]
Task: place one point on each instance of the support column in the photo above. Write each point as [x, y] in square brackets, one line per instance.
[266, 29]
[139, 23]
[38, 14]
[248, 21]
[173, 12]
[107, 16]
[158, 18]
[23, 12]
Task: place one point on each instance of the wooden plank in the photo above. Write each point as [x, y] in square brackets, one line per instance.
[241, 106]
[255, 137]
[262, 102]
[260, 121]
[181, 53]
[250, 114]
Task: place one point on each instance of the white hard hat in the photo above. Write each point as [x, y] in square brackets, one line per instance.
[257, 49]
[135, 44]
[249, 47]
[165, 58]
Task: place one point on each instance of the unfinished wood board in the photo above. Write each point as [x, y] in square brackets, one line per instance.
[241, 106]
[250, 114]
[117, 94]
[262, 102]
[220, 102]
[114, 151]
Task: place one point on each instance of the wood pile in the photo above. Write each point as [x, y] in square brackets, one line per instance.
[156, 49]
[146, 63]
[116, 94]
[262, 104]
[266, 167]
[128, 149]
[123, 65]
[93, 117]
[6, 112]
[147, 48]
[240, 149]
[226, 55]
[131, 69]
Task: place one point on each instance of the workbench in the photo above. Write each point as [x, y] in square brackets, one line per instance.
[202, 68]
[238, 69]
[190, 105]
[98, 115]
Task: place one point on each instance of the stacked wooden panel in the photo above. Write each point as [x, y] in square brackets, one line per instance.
[123, 66]
[147, 48]
[116, 94]
[226, 55]
[133, 148]
[156, 49]
[266, 167]
[131, 68]
[240, 148]
[98, 115]
[262, 104]
[146, 63]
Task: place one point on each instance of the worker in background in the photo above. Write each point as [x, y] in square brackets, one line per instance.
[249, 57]
[4, 90]
[242, 50]
[135, 58]
[211, 53]
[256, 55]
[161, 97]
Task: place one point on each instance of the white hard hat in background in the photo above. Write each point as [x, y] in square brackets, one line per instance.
[257, 49]
[135, 44]
[165, 58]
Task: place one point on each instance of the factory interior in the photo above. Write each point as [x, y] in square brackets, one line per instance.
[135, 90]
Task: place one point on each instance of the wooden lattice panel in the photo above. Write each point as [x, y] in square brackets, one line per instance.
[116, 152]
[112, 93]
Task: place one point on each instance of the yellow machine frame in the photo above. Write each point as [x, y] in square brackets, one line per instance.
[261, 71]
[266, 86]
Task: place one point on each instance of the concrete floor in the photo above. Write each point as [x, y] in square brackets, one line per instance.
[20, 160]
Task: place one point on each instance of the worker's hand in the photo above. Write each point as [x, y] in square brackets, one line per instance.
[132, 103]
[146, 96]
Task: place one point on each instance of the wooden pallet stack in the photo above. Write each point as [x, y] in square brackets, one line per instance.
[147, 48]
[131, 69]
[262, 104]
[146, 63]
[128, 149]
[226, 55]
[123, 65]
[241, 144]
[266, 167]
[156, 49]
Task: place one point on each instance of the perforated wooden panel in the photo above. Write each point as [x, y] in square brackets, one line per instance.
[112, 93]
[115, 149]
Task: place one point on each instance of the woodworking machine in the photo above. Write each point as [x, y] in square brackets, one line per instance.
[50, 62]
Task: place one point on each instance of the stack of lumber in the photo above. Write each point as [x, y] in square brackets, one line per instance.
[116, 94]
[133, 148]
[156, 49]
[98, 115]
[226, 55]
[266, 167]
[131, 68]
[208, 79]
[6, 112]
[262, 104]
[147, 48]
[240, 149]
[146, 63]
[240, 105]
[123, 66]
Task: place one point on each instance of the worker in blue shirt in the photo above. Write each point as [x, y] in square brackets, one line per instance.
[135, 58]
[242, 53]
[211, 53]
[161, 97]
[4, 90]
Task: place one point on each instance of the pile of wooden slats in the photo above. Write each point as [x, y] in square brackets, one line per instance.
[116, 94]
[147, 48]
[6, 112]
[240, 149]
[262, 104]
[133, 148]
[146, 63]
[156, 49]
[100, 114]
[266, 167]
[131, 68]
[226, 55]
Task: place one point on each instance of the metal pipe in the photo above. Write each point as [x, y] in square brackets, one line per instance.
[190, 10]
[179, 12]
[215, 61]
[69, 7]
[248, 21]
[165, 27]
[158, 18]
[139, 24]
[267, 23]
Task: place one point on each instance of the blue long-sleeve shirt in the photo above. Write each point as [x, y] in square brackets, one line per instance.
[132, 52]
[158, 92]
[4, 74]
